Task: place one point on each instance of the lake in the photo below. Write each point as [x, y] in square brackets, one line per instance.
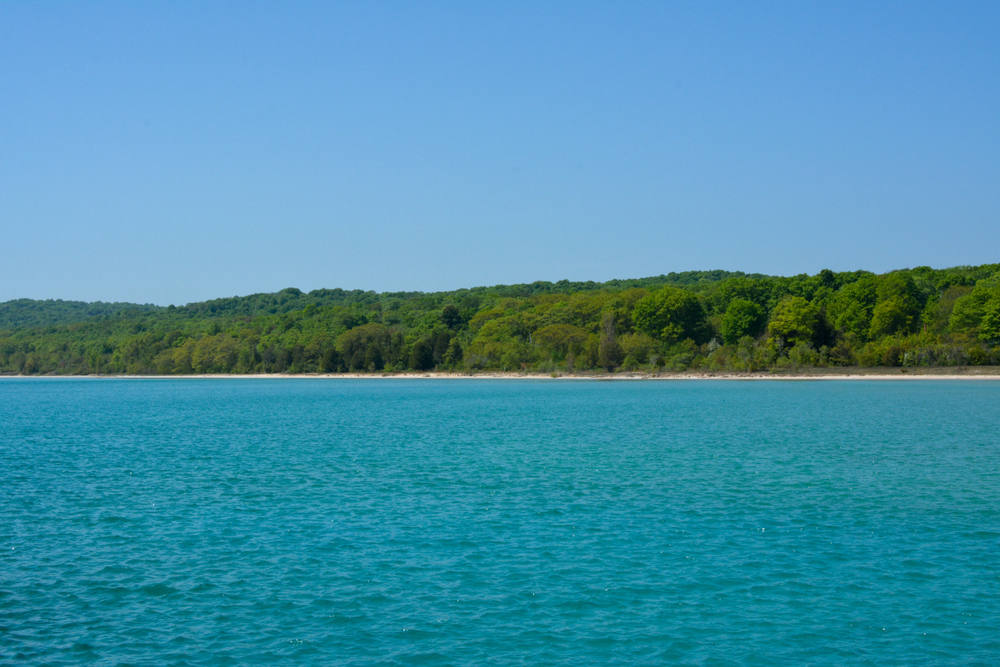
[499, 522]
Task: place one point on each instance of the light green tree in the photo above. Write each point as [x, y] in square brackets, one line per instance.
[969, 310]
[794, 320]
[989, 329]
[562, 340]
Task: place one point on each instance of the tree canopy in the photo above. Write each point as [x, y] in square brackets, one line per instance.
[710, 320]
[671, 315]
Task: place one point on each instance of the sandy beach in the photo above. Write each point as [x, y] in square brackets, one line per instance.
[853, 373]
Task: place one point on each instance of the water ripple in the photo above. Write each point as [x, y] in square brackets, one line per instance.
[347, 522]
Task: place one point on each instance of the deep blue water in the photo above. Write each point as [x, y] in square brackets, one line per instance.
[399, 522]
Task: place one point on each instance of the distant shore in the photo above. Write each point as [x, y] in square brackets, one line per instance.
[843, 373]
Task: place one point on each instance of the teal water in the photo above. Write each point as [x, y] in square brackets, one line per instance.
[359, 522]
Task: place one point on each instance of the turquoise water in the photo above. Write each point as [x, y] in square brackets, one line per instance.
[360, 522]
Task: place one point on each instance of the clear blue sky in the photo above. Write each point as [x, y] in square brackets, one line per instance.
[170, 152]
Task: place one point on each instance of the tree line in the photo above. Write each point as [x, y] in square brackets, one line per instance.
[710, 321]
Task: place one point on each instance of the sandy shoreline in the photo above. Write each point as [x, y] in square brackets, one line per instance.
[981, 373]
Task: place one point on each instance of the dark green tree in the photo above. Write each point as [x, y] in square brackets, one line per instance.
[422, 355]
[451, 316]
[439, 342]
[742, 318]
[374, 358]
[332, 362]
[359, 338]
[827, 278]
[609, 353]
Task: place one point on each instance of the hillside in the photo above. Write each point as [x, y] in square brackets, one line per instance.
[712, 320]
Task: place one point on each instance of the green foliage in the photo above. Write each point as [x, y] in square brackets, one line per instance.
[365, 348]
[970, 309]
[939, 308]
[850, 310]
[561, 340]
[742, 318]
[914, 317]
[638, 349]
[756, 291]
[332, 361]
[451, 316]
[989, 329]
[749, 355]
[795, 320]
[609, 352]
[422, 355]
[898, 306]
[29, 313]
[671, 314]
[803, 354]
[454, 354]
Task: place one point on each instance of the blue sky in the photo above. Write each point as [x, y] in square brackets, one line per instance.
[175, 152]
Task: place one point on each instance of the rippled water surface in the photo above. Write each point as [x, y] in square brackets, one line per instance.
[358, 522]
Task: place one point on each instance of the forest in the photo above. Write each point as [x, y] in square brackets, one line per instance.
[691, 321]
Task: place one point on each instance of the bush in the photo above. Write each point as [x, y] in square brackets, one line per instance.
[803, 354]
[978, 355]
[892, 355]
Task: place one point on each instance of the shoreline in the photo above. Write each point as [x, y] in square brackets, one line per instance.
[964, 373]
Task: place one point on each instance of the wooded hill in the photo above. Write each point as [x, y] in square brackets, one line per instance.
[705, 320]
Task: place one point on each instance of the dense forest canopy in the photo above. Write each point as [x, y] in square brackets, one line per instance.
[30, 313]
[704, 320]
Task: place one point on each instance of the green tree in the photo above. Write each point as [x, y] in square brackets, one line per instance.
[742, 318]
[989, 329]
[637, 349]
[898, 307]
[374, 356]
[422, 355]
[332, 362]
[880, 320]
[753, 356]
[562, 340]
[439, 343]
[850, 310]
[671, 315]
[967, 313]
[453, 356]
[363, 347]
[795, 320]
[756, 291]
[969, 310]
[609, 353]
[451, 316]
[893, 316]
